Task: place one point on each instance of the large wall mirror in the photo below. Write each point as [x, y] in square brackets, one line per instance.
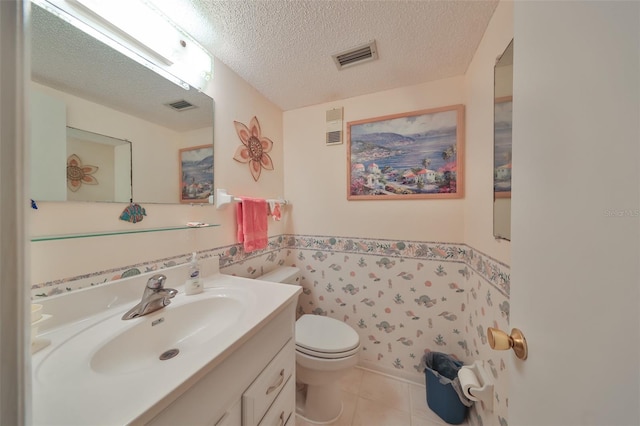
[502, 118]
[132, 120]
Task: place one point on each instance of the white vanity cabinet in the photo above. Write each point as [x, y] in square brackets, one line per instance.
[275, 383]
[253, 386]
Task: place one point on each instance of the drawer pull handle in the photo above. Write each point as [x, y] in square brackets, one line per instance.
[281, 419]
[277, 385]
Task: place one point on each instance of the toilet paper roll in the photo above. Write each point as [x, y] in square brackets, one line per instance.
[468, 381]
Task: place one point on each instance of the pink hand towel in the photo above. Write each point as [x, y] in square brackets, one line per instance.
[274, 208]
[252, 223]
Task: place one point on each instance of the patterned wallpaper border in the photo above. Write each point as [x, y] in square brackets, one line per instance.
[54, 287]
[494, 271]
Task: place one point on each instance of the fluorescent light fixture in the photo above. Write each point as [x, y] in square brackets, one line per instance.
[82, 26]
[139, 31]
[140, 23]
[146, 25]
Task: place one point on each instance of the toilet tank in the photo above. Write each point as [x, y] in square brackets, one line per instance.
[283, 274]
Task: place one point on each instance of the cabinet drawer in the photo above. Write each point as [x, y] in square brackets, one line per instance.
[283, 407]
[264, 390]
[233, 417]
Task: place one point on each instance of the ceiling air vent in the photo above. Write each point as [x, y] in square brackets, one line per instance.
[357, 55]
[181, 105]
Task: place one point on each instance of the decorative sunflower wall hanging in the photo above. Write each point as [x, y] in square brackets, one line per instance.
[78, 173]
[254, 149]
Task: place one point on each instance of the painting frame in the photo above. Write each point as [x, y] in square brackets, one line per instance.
[195, 174]
[436, 136]
[502, 173]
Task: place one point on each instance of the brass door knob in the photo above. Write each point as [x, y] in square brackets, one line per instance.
[501, 341]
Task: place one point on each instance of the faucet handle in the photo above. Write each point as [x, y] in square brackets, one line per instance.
[156, 281]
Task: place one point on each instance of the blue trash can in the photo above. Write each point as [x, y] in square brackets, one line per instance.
[441, 369]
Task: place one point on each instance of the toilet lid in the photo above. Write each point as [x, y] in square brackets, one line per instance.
[325, 335]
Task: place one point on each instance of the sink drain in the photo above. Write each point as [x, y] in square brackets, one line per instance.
[169, 354]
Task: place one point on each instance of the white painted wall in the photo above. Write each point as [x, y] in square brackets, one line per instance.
[238, 101]
[316, 174]
[122, 173]
[576, 213]
[48, 146]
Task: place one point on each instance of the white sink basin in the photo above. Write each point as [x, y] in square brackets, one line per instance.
[100, 357]
[171, 332]
[113, 346]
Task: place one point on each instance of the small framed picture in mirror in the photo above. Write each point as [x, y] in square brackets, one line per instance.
[502, 147]
[196, 174]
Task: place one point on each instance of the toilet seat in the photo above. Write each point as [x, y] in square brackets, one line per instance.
[327, 355]
[325, 337]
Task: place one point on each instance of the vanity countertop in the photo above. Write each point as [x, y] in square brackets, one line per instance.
[103, 370]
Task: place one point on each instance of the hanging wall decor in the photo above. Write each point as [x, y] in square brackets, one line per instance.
[133, 213]
[196, 173]
[254, 148]
[410, 155]
[77, 173]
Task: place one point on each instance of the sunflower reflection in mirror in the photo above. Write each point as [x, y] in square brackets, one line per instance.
[254, 148]
[77, 173]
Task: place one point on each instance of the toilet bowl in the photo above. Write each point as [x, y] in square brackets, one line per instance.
[326, 349]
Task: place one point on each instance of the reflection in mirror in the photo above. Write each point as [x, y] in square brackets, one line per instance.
[98, 167]
[502, 130]
[82, 83]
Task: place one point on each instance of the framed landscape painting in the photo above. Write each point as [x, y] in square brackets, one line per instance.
[196, 174]
[502, 147]
[407, 156]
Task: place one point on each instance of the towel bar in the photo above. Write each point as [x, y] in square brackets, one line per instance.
[223, 197]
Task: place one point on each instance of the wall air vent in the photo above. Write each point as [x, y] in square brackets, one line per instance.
[357, 55]
[181, 105]
[333, 135]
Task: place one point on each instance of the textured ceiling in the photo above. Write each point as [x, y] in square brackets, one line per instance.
[283, 48]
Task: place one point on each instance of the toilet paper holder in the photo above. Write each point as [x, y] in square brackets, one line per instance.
[480, 389]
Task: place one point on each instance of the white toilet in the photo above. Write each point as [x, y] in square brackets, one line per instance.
[326, 349]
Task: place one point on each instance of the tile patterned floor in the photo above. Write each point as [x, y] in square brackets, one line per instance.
[373, 399]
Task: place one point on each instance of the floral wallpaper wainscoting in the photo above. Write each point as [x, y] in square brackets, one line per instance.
[408, 297]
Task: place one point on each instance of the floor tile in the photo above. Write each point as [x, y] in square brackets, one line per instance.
[352, 380]
[349, 401]
[386, 391]
[373, 399]
[371, 413]
[301, 422]
[421, 414]
[418, 398]
[421, 421]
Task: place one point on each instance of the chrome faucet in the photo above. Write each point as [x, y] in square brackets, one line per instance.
[155, 297]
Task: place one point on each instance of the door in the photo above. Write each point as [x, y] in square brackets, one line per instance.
[576, 213]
